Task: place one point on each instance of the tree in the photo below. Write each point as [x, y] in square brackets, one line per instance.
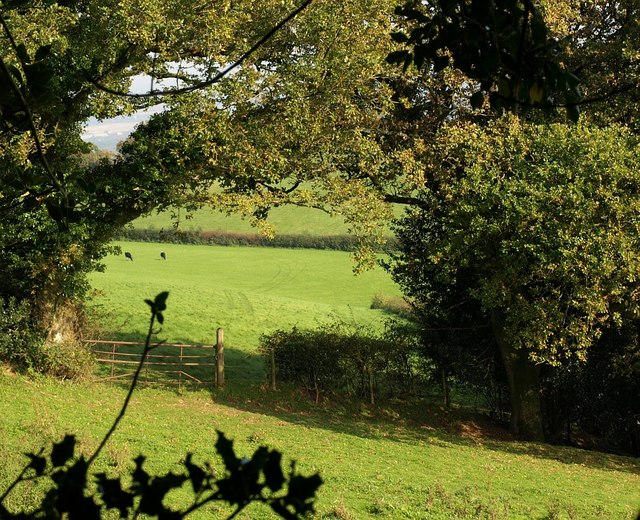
[62, 62]
[523, 54]
[537, 226]
[501, 45]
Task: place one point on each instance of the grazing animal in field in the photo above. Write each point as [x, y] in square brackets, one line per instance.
[163, 255]
[128, 255]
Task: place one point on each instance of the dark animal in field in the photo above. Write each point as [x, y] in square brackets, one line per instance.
[163, 255]
[128, 255]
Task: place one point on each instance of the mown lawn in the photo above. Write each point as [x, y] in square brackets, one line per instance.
[387, 462]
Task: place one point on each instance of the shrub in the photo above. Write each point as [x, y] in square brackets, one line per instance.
[65, 360]
[228, 238]
[309, 358]
[392, 305]
[342, 358]
[20, 345]
[24, 348]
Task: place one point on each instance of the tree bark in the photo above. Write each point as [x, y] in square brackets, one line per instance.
[523, 378]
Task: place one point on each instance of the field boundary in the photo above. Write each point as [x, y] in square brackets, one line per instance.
[227, 238]
[178, 364]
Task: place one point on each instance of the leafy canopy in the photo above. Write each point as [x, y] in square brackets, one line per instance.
[541, 222]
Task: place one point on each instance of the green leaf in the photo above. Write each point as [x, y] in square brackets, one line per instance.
[63, 451]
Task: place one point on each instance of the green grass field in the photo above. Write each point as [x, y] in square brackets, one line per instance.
[286, 219]
[245, 291]
[376, 463]
[394, 460]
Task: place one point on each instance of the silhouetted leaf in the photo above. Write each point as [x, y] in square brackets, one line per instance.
[139, 475]
[397, 57]
[197, 475]
[224, 447]
[477, 100]
[38, 463]
[573, 112]
[273, 471]
[151, 502]
[161, 301]
[63, 450]
[43, 52]
[113, 495]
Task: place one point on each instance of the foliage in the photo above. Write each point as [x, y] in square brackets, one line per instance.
[71, 491]
[227, 238]
[503, 46]
[316, 119]
[532, 231]
[392, 304]
[60, 63]
[597, 397]
[244, 481]
[340, 358]
[19, 344]
[543, 225]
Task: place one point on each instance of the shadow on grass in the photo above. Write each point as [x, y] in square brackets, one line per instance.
[406, 421]
[410, 422]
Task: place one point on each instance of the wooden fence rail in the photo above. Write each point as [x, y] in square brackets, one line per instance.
[169, 363]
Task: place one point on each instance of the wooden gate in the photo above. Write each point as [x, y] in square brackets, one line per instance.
[167, 364]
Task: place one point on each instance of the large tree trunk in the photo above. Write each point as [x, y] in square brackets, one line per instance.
[523, 379]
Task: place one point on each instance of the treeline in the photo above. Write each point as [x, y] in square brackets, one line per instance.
[230, 238]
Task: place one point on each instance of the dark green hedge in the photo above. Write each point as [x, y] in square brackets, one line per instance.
[226, 238]
[335, 360]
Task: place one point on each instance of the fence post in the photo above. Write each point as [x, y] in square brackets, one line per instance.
[273, 369]
[220, 358]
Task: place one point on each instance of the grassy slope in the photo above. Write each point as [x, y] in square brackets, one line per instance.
[286, 219]
[373, 467]
[246, 291]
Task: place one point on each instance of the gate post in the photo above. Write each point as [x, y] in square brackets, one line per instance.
[220, 358]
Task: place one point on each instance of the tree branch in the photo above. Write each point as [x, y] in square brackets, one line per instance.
[214, 79]
[25, 106]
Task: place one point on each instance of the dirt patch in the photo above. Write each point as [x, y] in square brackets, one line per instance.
[480, 429]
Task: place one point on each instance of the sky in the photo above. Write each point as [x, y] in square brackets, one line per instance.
[108, 133]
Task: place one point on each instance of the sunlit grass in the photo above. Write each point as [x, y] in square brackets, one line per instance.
[376, 463]
[285, 219]
[245, 291]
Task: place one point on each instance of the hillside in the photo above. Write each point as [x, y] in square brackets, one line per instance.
[376, 463]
